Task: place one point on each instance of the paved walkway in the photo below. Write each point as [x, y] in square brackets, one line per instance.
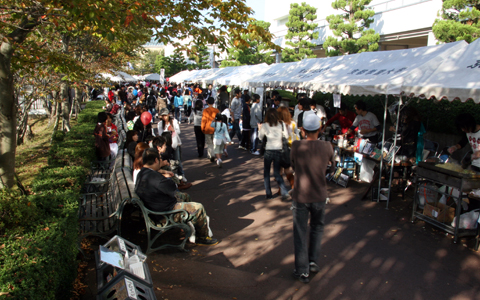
[368, 252]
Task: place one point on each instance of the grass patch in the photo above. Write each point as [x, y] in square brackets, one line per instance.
[32, 155]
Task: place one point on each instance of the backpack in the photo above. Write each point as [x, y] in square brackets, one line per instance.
[151, 101]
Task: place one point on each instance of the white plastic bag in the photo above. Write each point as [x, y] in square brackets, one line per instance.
[366, 171]
[427, 194]
[468, 220]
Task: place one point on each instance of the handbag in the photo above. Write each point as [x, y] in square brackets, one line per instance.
[285, 153]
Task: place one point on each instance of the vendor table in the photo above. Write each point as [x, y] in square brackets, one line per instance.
[429, 173]
[349, 151]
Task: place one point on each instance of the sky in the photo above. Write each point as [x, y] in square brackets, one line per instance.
[259, 7]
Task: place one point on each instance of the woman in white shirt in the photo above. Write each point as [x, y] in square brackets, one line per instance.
[168, 123]
[273, 129]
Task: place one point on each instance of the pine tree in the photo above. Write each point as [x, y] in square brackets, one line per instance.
[200, 57]
[300, 33]
[351, 29]
[163, 62]
[177, 63]
[460, 21]
[256, 52]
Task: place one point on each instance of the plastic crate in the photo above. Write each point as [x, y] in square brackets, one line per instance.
[105, 270]
[126, 287]
[119, 244]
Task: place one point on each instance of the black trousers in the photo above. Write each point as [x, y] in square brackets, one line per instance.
[246, 140]
[200, 137]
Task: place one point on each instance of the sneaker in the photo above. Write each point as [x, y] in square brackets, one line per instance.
[241, 147]
[219, 162]
[256, 153]
[183, 186]
[206, 241]
[286, 198]
[301, 277]
[314, 268]
[184, 179]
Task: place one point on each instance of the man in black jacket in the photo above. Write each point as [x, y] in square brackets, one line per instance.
[158, 194]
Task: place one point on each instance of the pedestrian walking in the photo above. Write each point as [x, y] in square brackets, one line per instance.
[309, 159]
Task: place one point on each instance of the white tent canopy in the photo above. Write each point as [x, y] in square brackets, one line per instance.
[369, 73]
[180, 76]
[373, 73]
[458, 76]
[118, 76]
[240, 75]
[153, 77]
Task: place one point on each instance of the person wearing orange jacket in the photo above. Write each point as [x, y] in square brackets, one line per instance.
[208, 117]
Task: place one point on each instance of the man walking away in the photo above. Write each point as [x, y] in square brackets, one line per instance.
[309, 159]
[237, 110]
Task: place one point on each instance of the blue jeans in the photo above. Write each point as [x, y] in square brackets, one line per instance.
[236, 129]
[272, 156]
[178, 114]
[307, 248]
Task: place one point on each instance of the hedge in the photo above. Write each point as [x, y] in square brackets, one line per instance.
[39, 232]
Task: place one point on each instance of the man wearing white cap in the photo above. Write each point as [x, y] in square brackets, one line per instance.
[310, 159]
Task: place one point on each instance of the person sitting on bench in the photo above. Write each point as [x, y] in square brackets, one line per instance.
[158, 194]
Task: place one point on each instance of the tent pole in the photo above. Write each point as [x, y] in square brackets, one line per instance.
[383, 143]
[394, 152]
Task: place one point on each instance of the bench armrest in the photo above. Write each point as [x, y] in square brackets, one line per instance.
[167, 215]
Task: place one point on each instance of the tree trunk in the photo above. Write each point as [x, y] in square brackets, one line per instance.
[65, 106]
[8, 118]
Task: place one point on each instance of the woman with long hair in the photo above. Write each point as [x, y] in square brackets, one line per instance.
[197, 127]
[286, 118]
[138, 161]
[273, 129]
[131, 143]
[168, 123]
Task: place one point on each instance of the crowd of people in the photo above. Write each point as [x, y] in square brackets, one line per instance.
[270, 129]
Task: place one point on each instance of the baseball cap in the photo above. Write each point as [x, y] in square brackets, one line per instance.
[311, 122]
[163, 112]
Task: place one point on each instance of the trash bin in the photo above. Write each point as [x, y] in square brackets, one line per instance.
[126, 287]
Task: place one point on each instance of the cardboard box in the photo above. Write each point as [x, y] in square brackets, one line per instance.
[439, 212]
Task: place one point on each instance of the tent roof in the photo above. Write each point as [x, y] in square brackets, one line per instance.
[240, 75]
[456, 77]
[373, 73]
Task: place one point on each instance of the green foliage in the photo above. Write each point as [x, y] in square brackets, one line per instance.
[200, 57]
[300, 33]
[256, 52]
[16, 210]
[351, 33]
[460, 20]
[38, 244]
[177, 63]
[146, 64]
[162, 62]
